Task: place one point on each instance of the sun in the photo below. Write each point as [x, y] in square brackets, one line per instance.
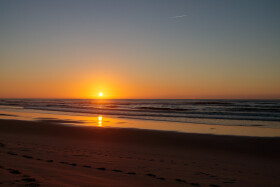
[100, 94]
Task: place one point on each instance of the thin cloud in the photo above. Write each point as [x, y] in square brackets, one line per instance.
[181, 16]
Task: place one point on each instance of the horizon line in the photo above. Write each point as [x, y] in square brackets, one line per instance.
[147, 98]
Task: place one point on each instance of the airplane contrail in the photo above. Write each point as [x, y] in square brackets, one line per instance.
[181, 16]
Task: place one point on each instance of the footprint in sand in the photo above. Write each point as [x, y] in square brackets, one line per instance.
[13, 171]
[194, 184]
[229, 182]
[29, 179]
[131, 173]
[202, 173]
[102, 169]
[87, 166]
[180, 180]
[116, 170]
[26, 156]
[26, 179]
[11, 153]
[151, 175]
[30, 182]
[214, 185]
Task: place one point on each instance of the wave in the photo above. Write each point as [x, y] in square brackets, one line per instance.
[176, 110]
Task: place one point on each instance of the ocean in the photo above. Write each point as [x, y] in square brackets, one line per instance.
[257, 113]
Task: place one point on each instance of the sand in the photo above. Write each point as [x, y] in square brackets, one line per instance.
[49, 154]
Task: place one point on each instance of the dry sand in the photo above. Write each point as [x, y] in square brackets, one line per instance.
[47, 154]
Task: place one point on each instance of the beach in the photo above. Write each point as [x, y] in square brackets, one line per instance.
[51, 154]
[139, 93]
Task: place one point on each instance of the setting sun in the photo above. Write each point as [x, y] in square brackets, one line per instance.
[100, 94]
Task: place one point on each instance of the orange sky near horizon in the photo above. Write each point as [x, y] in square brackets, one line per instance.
[125, 88]
[118, 79]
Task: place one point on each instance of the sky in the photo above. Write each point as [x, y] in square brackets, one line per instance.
[129, 49]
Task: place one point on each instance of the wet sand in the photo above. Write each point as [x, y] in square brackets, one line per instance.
[48, 154]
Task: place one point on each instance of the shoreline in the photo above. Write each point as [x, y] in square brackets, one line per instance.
[254, 130]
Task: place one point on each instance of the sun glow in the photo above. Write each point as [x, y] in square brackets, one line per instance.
[100, 94]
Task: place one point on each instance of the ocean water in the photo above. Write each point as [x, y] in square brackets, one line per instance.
[257, 113]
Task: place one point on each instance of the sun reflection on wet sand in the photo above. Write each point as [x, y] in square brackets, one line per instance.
[100, 121]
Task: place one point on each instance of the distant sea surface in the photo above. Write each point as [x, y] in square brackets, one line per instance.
[262, 113]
